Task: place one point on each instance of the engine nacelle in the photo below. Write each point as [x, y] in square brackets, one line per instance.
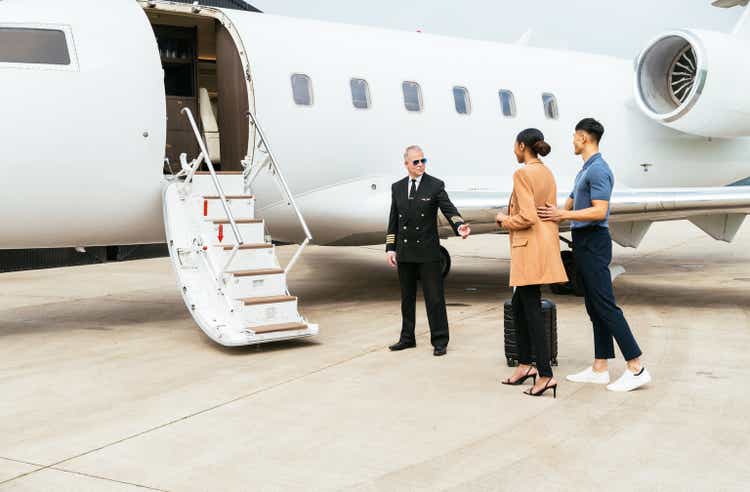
[696, 82]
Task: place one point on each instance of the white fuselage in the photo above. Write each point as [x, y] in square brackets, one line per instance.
[83, 146]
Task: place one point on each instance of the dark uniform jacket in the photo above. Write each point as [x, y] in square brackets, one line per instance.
[412, 227]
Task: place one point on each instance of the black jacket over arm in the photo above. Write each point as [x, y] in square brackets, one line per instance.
[412, 226]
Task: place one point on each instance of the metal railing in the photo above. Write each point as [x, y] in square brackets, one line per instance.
[273, 166]
[190, 172]
[251, 173]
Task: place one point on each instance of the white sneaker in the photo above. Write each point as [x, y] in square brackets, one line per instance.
[588, 375]
[629, 381]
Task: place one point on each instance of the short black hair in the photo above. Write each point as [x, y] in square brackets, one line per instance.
[592, 127]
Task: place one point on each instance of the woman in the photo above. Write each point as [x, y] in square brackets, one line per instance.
[534, 259]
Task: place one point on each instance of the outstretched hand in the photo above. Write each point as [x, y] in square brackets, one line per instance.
[550, 213]
[464, 230]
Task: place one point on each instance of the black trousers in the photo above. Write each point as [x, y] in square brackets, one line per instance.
[528, 323]
[431, 276]
[592, 247]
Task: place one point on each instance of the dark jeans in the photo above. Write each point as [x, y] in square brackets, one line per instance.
[431, 275]
[528, 323]
[592, 247]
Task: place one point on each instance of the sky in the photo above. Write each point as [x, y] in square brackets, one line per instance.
[610, 27]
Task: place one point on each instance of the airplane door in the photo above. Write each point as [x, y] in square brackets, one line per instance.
[233, 103]
[83, 124]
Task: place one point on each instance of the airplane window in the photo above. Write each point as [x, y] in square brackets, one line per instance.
[412, 96]
[360, 93]
[302, 89]
[508, 104]
[461, 98]
[550, 106]
[28, 45]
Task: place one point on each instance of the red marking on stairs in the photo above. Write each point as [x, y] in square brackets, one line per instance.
[205, 208]
[221, 232]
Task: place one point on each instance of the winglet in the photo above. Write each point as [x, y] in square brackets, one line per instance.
[728, 4]
[742, 28]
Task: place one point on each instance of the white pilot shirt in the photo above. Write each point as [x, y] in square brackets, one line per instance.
[408, 184]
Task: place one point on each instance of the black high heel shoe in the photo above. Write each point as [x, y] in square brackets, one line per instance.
[547, 386]
[520, 380]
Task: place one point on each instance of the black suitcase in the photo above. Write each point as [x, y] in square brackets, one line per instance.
[549, 312]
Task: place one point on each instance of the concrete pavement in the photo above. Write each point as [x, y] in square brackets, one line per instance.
[108, 385]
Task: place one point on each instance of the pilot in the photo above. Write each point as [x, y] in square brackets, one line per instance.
[413, 246]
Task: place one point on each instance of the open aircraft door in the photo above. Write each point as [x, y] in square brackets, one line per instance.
[83, 151]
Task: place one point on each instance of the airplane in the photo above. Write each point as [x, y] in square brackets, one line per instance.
[118, 114]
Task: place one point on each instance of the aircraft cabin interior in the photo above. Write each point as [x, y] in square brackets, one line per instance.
[203, 72]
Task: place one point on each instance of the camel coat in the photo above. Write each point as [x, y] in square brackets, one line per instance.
[534, 245]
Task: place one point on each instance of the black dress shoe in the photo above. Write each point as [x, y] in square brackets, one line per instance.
[402, 345]
[440, 351]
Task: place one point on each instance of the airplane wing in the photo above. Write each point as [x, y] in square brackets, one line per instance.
[718, 211]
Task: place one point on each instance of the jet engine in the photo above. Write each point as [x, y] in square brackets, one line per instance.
[696, 82]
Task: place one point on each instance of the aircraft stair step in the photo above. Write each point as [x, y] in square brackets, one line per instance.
[212, 209]
[232, 183]
[238, 221]
[229, 197]
[252, 231]
[252, 301]
[268, 310]
[267, 285]
[247, 257]
[258, 272]
[229, 247]
[278, 328]
[237, 294]
[220, 173]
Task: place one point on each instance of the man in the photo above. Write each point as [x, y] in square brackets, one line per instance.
[413, 245]
[587, 208]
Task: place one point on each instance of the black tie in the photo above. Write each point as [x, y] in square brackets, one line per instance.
[413, 190]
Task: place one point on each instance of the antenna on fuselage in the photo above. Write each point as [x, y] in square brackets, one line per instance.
[525, 37]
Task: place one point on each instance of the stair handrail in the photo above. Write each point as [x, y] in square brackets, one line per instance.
[285, 187]
[217, 184]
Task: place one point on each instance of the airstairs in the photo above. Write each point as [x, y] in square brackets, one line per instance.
[227, 270]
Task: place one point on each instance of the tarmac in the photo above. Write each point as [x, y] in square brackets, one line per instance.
[107, 384]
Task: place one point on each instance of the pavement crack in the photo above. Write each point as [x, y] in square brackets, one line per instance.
[72, 472]
[54, 466]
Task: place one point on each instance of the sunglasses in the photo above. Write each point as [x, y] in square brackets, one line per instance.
[419, 161]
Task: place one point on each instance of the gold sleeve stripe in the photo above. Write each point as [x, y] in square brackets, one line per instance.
[456, 219]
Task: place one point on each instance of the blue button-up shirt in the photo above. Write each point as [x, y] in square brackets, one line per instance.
[594, 182]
